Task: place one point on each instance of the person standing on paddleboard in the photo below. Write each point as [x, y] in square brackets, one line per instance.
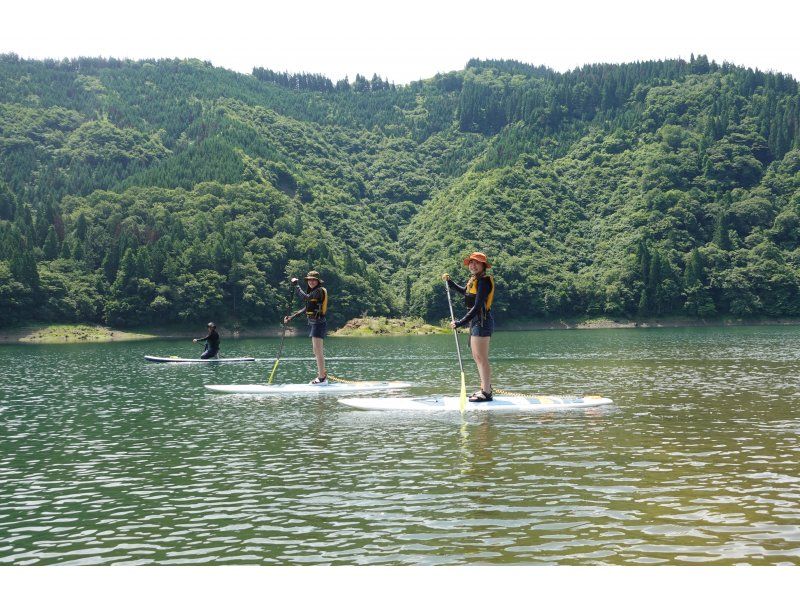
[316, 298]
[478, 295]
[212, 342]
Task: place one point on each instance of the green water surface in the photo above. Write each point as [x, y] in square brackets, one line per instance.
[106, 458]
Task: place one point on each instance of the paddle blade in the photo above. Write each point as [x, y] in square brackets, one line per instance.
[274, 367]
[462, 403]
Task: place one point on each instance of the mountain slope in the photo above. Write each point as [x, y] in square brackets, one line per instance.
[173, 190]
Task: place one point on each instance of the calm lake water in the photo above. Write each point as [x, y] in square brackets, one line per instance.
[105, 458]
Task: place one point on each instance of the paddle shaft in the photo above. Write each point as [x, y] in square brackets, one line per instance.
[283, 334]
[462, 399]
[455, 332]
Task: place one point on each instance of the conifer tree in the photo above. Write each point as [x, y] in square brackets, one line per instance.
[51, 246]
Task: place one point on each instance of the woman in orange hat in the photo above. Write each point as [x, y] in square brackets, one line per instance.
[316, 298]
[478, 295]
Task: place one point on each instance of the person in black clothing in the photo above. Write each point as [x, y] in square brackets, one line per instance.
[212, 342]
[316, 298]
[478, 295]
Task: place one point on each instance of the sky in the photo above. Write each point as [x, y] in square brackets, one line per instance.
[409, 40]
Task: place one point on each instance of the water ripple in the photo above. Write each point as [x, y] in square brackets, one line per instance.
[107, 459]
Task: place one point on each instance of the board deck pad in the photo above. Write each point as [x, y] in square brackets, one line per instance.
[446, 403]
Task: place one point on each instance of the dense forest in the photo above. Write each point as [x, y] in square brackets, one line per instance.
[148, 192]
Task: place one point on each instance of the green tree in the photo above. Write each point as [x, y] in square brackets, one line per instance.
[51, 247]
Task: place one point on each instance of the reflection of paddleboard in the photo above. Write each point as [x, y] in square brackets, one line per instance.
[186, 360]
[278, 389]
[540, 403]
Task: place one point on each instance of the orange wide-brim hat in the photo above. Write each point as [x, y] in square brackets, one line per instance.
[478, 257]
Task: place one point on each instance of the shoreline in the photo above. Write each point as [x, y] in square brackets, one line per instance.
[60, 334]
[610, 323]
[371, 326]
[34, 334]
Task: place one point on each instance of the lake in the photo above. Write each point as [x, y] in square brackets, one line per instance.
[106, 458]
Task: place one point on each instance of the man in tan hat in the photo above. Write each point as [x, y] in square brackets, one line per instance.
[316, 299]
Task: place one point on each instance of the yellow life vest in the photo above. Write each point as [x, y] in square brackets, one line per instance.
[472, 292]
[317, 308]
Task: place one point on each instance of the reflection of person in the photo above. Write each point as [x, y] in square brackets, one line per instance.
[478, 295]
[212, 342]
[316, 298]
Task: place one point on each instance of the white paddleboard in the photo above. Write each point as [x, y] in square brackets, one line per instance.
[306, 389]
[187, 360]
[500, 403]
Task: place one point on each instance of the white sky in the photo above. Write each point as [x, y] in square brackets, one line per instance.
[405, 41]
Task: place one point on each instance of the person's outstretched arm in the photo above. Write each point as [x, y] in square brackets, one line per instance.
[459, 289]
[295, 314]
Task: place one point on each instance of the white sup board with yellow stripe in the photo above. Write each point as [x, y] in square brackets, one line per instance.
[306, 389]
[500, 403]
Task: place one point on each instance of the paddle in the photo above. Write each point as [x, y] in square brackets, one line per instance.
[283, 334]
[463, 397]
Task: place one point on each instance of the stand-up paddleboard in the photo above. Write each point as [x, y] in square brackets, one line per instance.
[432, 404]
[306, 389]
[187, 360]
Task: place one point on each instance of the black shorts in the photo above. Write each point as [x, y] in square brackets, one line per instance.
[319, 328]
[485, 329]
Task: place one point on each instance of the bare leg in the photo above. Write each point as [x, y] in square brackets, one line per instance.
[319, 353]
[480, 353]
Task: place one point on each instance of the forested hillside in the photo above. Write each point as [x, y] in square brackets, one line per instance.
[136, 193]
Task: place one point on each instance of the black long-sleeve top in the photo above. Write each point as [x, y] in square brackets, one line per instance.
[212, 339]
[482, 294]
